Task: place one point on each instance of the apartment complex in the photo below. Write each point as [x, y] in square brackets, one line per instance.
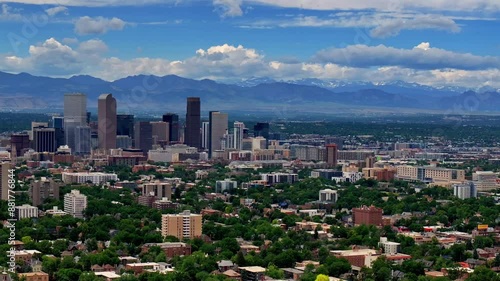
[183, 225]
[430, 174]
[95, 178]
[485, 180]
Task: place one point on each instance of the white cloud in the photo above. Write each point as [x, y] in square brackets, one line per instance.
[56, 10]
[229, 8]
[70, 41]
[388, 5]
[99, 25]
[92, 3]
[56, 59]
[10, 14]
[382, 24]
[93, 46]
[420, 57]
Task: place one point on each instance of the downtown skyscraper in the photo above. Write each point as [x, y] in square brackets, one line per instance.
[217, 129]
[192, 135]
[238, 135]
[173, 126]
[107, 121]
[75, 123]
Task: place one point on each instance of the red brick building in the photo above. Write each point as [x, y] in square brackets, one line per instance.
[367, 215]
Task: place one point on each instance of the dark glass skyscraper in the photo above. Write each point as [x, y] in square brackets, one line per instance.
[125, 125]
[143, 136]
[192, 135]
[261, 130]
[173, 126]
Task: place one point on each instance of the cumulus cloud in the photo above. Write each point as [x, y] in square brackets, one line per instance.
[56, 10]
[93, 46]
[229, 8]
[55, 58]
[420, 57]
[99, 25]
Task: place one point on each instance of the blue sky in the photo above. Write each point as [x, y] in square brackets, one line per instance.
[439, 43]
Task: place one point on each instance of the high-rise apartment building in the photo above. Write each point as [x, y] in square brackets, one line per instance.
[44, 139]
[75, 203]
[331, 155]
[217, 128]
[4, 180]
[465, 190]
[173, 126]
[107, 121]
[238, 134]
[192, 136]
[40, 190]
[75, 115]
[183, 225]
[367, 215]
[143, 136]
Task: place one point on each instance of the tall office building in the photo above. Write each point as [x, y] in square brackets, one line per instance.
[107, 122]
[173, 126]
[75, 115]
[217, 129]
[261, 130]
[19, 143]
[37, 125]
[238, 134]
[125, 125]
[183, 225]
[4, 180]
[44, 139]
[82, 140]
[331, 155]
[192, 136]
[160, 131]
[75, 203]
[143, 138]
[58, 125]
[204, 134]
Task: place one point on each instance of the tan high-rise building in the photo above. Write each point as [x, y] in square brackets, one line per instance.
[106, 117]
[4, 180]
[160, 132]
[183, 225]
[40, 190]
[217, 128]
[331, 155]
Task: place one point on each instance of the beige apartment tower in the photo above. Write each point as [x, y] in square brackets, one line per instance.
[4, 180]
[183, 225]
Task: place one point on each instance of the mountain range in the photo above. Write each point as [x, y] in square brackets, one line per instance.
[146, 93]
